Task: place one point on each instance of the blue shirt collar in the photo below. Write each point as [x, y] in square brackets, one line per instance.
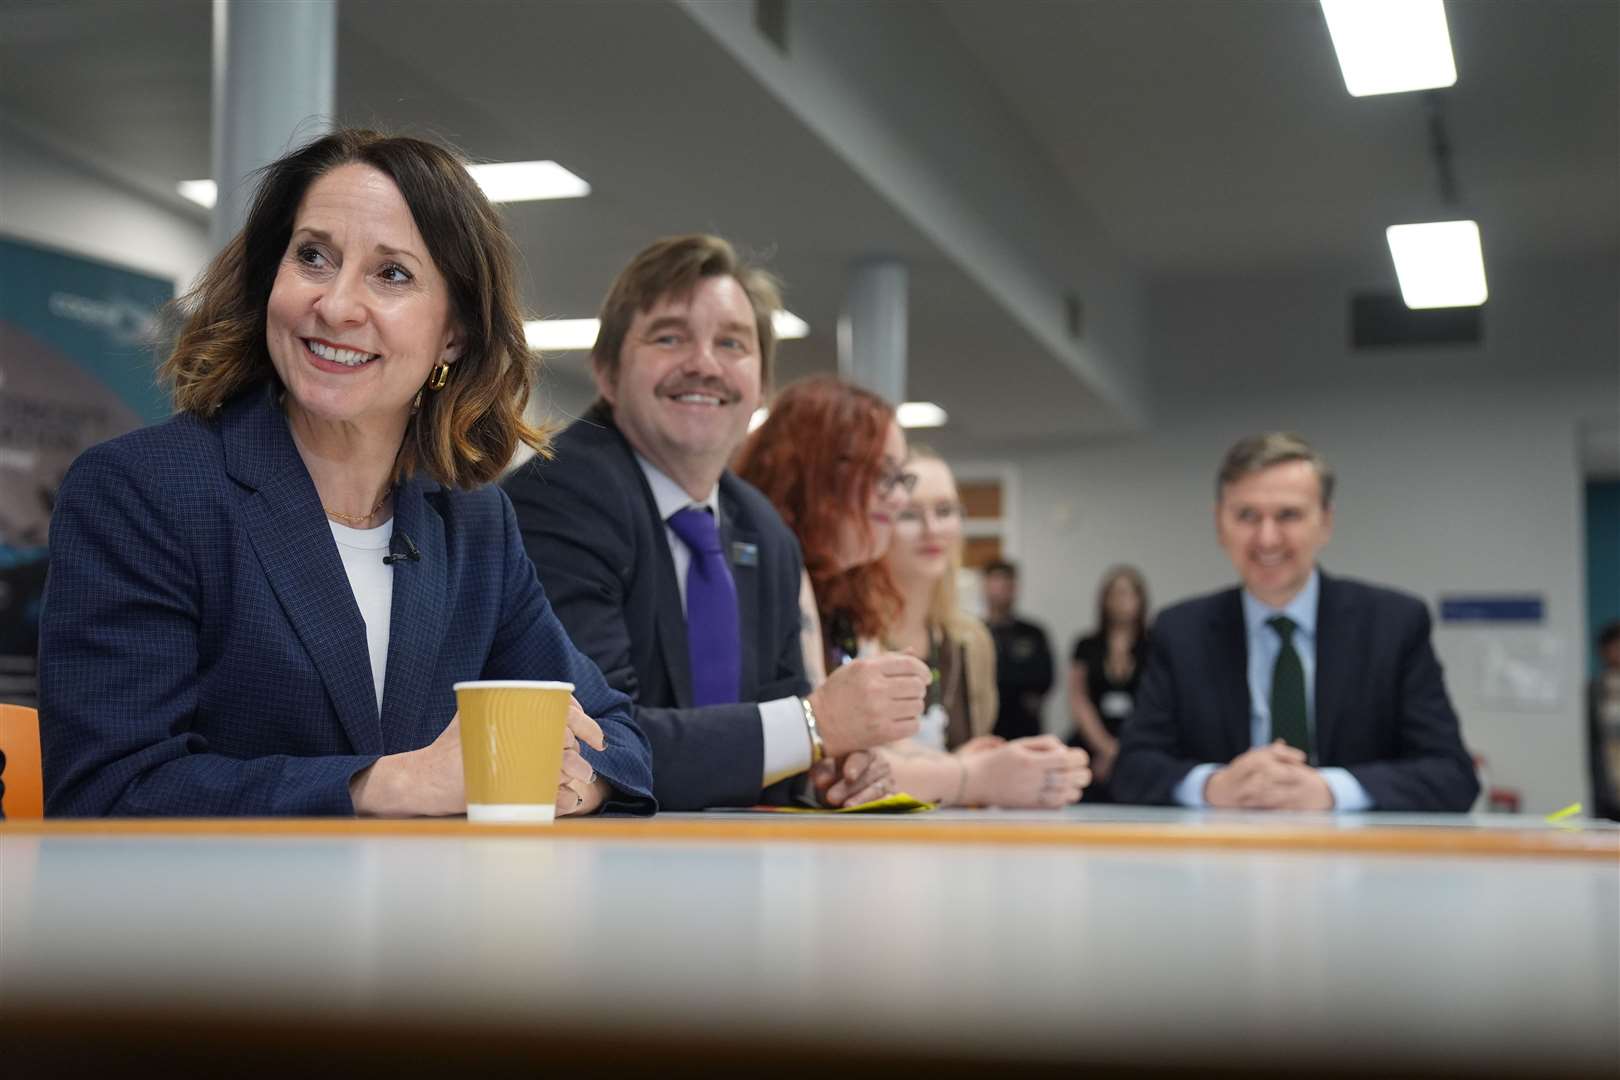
[1301, 609]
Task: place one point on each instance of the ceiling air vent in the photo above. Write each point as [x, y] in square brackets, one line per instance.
[1382, 320]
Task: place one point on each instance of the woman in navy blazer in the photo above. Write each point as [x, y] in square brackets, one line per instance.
[222, 634]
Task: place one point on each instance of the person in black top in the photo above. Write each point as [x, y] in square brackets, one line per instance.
[1023, 655]
[1106, 671]
[1603, 715]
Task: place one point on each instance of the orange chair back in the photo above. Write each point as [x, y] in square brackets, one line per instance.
[25, 784]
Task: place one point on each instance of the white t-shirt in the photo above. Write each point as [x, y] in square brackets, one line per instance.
[373, 583]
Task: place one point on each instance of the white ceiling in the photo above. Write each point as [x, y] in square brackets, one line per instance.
[1209, 138]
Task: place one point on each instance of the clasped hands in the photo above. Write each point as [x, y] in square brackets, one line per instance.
[430, 782]
[872, 703]
[1274, 777]
[865, 704]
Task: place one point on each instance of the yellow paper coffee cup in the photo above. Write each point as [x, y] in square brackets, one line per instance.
[512, 747]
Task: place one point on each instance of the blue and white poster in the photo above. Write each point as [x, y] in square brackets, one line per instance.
[76, 368]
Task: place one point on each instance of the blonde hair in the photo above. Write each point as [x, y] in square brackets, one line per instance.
[944, 603]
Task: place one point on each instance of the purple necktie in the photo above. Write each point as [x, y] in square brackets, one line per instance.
[712, 636]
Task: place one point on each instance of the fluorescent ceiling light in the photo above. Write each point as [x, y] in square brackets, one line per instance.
[560, 335]
[1439, 264]
[524, 181]
[789, 326]
[502, 181]
[919, 414]
[911, 414]
[202, 192]
[1390, 46]
[567, 335]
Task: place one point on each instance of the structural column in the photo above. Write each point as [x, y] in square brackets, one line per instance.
[275, 86]
[872, 330]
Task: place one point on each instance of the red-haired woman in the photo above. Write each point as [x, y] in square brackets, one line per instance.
[830, 457]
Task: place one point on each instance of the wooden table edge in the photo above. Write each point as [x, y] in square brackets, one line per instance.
[1365, 839]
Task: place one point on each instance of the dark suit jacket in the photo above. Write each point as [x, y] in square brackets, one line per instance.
[201, 651]
[1381, 705]
[593, 530]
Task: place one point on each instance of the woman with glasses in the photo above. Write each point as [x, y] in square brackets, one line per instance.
[954, 759]
[830, 457]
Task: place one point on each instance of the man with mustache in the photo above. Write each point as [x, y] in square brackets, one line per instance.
[679, 579]
[1296, 691]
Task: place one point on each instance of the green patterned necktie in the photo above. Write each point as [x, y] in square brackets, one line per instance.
[1288, 721]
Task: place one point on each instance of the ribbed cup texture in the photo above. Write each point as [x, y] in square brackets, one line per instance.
[512, 743]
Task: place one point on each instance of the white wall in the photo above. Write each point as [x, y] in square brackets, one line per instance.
[46, 198]
[1458, 469]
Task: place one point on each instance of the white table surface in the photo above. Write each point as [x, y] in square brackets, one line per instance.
[986, 951]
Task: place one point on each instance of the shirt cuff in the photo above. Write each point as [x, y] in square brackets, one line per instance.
[1190, 792]
[787, 743]
[1348, 794]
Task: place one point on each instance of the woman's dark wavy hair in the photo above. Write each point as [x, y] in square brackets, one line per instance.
[463, 435]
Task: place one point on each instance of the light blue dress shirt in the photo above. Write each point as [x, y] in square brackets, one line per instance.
[1264, 645]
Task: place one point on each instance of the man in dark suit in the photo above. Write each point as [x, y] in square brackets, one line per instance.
[679, 579]
[1297, 691]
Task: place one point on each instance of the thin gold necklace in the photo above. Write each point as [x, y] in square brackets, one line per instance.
[355, 521]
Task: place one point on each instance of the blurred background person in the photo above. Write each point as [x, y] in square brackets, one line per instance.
[1294, 689]
[1023, 655]
[260, 606]
[1603, 718]
[1106, 670]
[830, 457]
[924, 560]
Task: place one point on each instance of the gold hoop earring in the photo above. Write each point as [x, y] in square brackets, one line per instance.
[438, 377]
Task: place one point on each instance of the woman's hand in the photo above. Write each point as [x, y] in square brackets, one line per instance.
[580, 790]
[426, 782]
[429, 782]
[980, 743]
[1034, 772]
[861, 777]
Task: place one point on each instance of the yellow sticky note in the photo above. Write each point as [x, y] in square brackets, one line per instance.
[898, 803]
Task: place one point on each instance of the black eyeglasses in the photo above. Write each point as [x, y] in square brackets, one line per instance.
[891, 478]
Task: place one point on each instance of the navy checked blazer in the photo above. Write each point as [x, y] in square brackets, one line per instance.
[201, 651]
